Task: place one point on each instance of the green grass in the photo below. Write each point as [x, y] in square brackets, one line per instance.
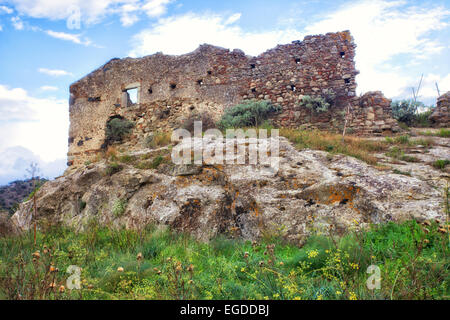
[159, 139]
[441, 164]
[405, 173]
[359, 148]
[443, 133]
[413, 260]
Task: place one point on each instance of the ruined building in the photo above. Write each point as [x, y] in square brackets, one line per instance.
[161, 91]
[441, 114]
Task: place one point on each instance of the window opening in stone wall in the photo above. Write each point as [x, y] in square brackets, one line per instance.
[253, 66]
[150, 91]
[209, 72]
[347, 81]
[131, 96]
[173, 86]
[342, 53]
[293, 88]
[200, 82]
[253, 89]
[297, 61]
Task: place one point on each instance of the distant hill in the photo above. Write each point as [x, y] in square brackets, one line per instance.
[15, 192]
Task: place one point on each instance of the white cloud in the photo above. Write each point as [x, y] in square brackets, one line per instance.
[428, 91]
[40, 125]
[17, 23]
[75, 38]
[383, 30]
[156, 8]
[91, 11]
[14, 162]
[49, 88]
[54, 72]
[5, 9]
[184, 33]
[1, 28]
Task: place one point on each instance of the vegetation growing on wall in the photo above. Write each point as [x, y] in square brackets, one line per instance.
[117, 129]
[318, 104]
[251, 113]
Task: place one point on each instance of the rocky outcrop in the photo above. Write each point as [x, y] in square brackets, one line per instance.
[441, 114]
[310, 192]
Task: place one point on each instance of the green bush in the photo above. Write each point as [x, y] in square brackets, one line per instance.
[318, 104]
[117, 129]
[250, 113]
[406, 111]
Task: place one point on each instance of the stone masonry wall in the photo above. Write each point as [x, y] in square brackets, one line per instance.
[372, 114]
[211, 79]
[441, 114]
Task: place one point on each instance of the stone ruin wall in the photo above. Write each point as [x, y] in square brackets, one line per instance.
[441, 114]
[210, 79]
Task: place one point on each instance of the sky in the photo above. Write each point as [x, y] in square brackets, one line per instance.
[45, 45]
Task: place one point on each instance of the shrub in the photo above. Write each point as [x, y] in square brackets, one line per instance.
[406, 111]
[117, 129]
[247, 114]
[318, 104]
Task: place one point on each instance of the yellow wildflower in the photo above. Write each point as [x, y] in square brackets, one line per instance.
[313, 253]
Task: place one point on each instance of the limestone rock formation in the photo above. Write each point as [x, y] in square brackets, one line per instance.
[441, 114]
[310, 192]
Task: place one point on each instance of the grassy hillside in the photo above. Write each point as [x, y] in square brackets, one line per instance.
[16, 192]
[413, 260]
